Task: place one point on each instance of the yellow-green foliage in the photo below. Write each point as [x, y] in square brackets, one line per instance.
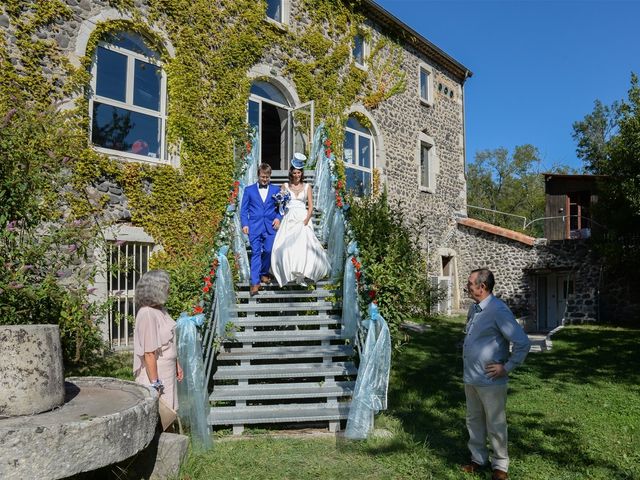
[32, 52]
[216, 43]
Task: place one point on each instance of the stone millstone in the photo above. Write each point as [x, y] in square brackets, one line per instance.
[103, 421]
[32, 374]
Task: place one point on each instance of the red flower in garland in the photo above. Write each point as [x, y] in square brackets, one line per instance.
[198, 309]
[372, 294]
[339, 185]
[236, 184]
[358, 275]
[206, 288]
[353, 260]
[248, 147]
[327, 152]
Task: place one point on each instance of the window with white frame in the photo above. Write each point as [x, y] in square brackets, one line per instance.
[126, 263]
[424, 84]
[278, 10]
[358, 157]
[128, 102]
[358, 52]
[427, 163]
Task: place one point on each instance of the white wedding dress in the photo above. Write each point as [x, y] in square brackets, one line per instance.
[297, 253]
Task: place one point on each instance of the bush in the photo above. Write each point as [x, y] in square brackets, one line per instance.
[393, 263]
[43, 246]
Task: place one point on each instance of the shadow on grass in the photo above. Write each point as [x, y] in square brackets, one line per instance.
[558, 443]
[590, 354]
[427, 396]
[426, 392]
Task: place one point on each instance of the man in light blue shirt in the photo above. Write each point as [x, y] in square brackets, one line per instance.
[490, 328]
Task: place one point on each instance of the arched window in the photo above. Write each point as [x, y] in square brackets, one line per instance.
[358, 157]
[128, 101]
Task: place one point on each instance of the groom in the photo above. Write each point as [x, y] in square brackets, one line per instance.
[260, 220]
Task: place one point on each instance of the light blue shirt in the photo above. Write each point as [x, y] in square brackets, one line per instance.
[487, 338]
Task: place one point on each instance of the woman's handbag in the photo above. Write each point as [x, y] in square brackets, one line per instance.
[167, 415]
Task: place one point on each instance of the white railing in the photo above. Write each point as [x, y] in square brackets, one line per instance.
[370, 336]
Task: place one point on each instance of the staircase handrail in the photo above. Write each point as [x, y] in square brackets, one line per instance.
[218, 292]
[371, 337]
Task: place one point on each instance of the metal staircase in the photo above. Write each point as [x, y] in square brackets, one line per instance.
[288, 363]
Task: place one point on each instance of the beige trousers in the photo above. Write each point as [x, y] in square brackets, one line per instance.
[487, 418]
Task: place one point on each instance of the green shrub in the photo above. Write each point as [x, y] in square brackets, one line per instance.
[43, 246]
[394, 266]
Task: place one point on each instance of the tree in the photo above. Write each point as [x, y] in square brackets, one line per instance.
[593, 134]
[511, 184]
[608, 142]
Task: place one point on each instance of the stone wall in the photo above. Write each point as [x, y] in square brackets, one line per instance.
[517, 267]
[401, 119]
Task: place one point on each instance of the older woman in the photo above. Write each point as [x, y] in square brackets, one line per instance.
[155, 359]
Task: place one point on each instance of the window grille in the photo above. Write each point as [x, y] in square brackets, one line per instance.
[127, 262]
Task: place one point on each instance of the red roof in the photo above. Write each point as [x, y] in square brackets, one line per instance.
[502, 232]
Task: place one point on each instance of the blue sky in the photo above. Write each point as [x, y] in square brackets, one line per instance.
[538, 65]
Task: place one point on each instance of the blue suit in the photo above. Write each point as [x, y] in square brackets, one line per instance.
[259, 216]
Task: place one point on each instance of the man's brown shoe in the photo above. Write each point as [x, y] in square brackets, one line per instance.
[265, 279]
[499, 475]
[254, 290]
[472, 467]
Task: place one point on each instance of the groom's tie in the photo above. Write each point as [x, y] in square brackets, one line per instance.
[263, 186]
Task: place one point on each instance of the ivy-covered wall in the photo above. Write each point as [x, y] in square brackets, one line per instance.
[213, 47]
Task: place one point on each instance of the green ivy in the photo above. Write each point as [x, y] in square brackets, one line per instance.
[216, 44]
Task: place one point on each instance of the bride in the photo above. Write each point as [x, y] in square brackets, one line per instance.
[297, 254]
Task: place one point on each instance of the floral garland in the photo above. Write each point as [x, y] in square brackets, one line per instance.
[367, 292]
[208, 281]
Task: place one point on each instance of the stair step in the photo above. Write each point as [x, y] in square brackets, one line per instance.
[279, 414]
[286, 336]
[284, 306]
[319, 283]
[281, 391]
[287, 293]
[285, 352]
[284, 371]
[287, 320]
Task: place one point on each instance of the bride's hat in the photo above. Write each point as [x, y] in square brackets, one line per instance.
[298, 160]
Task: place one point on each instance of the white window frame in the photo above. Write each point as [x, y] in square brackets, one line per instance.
[285, 8]
[433, 163]
[423, 67]
[128, 103]
[355, 165]
[365, 52]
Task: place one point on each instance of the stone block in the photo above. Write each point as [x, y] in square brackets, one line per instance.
[32, 374]
[172, 450]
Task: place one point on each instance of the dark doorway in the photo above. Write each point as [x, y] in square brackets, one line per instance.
[273, 123]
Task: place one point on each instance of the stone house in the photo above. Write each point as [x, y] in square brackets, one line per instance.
[411, 140]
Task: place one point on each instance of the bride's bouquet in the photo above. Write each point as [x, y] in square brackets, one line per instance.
[282, 199]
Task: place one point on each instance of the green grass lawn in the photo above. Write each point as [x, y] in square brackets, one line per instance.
[574, 413]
